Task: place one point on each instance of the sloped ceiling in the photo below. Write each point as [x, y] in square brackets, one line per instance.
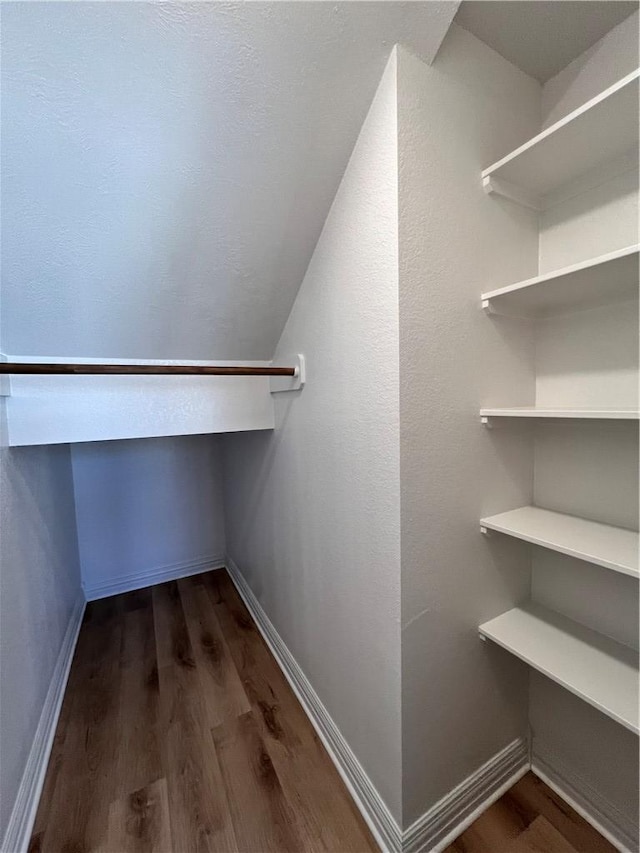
[541, 37]
[167, 168]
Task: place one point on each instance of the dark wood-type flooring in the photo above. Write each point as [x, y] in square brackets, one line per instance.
[530, 818]
[179, 734]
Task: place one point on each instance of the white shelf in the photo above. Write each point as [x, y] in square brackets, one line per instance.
[595, 668]
[604, 128]
[613, 548]
[76, 408]
[606, 278]
[540, 412]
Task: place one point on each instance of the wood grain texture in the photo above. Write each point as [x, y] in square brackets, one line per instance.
[262, 817]
[327, 819]
[224, 694]
[139, 760]
[25, 368]
[198, 807]
[139, 821]
[86, 781]
[531, 793]
[530, 818]
[179, 734]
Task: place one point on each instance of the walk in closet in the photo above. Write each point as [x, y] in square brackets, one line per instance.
[319, 412]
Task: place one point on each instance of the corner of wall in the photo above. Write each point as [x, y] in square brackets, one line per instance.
[455, 117]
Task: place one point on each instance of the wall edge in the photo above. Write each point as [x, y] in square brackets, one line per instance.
[25, 807]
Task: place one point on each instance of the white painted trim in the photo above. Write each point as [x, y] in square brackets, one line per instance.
[379, 819]
[138, 580]
[458, 809]
[595, 809]
[23, 814]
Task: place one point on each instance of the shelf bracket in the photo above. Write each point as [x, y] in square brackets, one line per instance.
[512, 192]
[289, 383]
[486, 421]
[485, 530]
[489, 308]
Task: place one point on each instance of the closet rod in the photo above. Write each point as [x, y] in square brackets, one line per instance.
[142, 369]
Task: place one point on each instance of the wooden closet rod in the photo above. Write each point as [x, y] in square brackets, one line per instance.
[144, 369]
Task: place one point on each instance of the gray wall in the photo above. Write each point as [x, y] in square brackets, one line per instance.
[461, 703]
[168, 167]
[39, 590]
[147, 507]
[313, 510]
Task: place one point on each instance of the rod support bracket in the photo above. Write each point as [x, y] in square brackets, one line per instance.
[289, 383]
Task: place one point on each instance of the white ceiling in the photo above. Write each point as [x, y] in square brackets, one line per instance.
[541, 38]
[167, 168]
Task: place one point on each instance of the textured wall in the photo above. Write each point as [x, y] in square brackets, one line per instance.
[167, 167]
[461, 700]
[312, 511]
[39, 589]
[601, 66]
[146, 506]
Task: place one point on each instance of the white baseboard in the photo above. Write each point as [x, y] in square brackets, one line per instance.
[173, 571]
[371, 805]
[23, 814]
[447, 818]
[457, 810]
[594, 808]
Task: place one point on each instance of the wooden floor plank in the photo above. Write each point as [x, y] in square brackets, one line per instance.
[541, 837]
[263, 819]
[138, 768]
[327, 817]
[139, 759]
[198, 808]
[86, 778]
[139, 822]
[530, 818]
[495, 830]
[222, 689]
[532, 793]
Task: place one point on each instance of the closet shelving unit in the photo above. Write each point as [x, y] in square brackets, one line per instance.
[612, 547]
[606, 278]
[601, 671]
[545, 412]
[595, 668]
[599, 131]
